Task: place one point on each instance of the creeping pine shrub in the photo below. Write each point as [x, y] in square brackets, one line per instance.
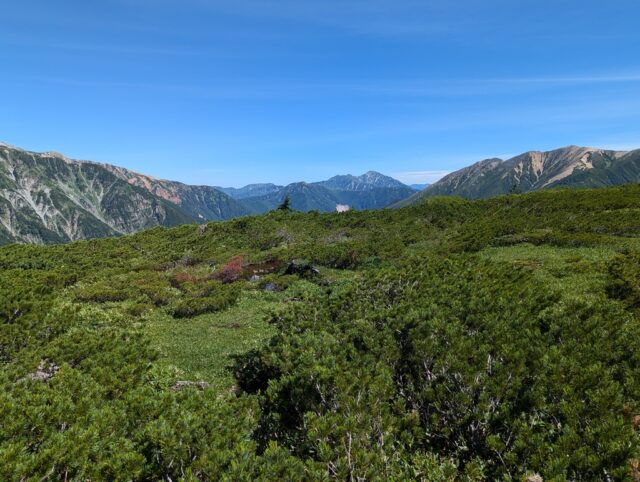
[138, 309]
[217, 297]
[476, 362]
[101, 293]
[346, 255]
[624, 279]
[160, 293]
[277, 282]
[422, 366]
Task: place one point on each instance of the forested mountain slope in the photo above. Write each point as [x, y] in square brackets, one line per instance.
[303, 197]
[370, 190]
[250, 190]
[450, 340]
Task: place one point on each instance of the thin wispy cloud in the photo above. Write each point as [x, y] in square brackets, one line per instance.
[403, 85]
[274, 89]
[105, 47]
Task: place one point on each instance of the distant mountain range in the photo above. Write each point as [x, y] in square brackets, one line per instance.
[570, 166]
[49, 198]
[371, 190]
[365, 182]
[250, 190]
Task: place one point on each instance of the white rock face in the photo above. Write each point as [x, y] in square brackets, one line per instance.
[342, 208]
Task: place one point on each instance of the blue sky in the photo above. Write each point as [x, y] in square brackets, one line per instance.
[230, 92]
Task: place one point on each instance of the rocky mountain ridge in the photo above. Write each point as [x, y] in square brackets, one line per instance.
[49, 198]
[570, 166]
[46, 198]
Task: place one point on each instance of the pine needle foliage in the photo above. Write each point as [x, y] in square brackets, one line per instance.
[452, 340]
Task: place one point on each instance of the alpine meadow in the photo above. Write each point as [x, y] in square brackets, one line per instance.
[453, 339]
[320, 241]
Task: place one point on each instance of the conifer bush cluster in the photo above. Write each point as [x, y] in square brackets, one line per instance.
[453, 340]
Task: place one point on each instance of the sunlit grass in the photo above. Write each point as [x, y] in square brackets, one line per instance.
[201, 348]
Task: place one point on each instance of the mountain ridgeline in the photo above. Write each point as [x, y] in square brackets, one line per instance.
[250, 190]
[570, 166]
[48, 198]
[371, 190]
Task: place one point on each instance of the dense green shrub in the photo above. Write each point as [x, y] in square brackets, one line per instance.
[402, 361]
[276, 282]
[624, 279]
[159, 292]
[214, 297]
[474, 362]
[101, 293]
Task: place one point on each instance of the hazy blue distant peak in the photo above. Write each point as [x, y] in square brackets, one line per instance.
[365, 182]
[250, 190]
[346, 182]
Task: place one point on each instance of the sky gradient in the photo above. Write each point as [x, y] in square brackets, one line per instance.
[233, 92]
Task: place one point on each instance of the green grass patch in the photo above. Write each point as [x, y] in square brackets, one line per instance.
[201, 347]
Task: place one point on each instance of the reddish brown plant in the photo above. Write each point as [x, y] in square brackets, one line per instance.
[232, 270]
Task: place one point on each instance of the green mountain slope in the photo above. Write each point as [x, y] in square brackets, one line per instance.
[48, 198]
[375, 198]
[250, 190]
[607, 171]
[303, 197]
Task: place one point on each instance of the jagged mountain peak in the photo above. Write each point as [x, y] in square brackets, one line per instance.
[367, 181]
[532, 170]
[370, 190]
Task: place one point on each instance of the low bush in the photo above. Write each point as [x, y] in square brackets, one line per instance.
[231, 271]
[416, 361]
[624, 279]
[217, 298]
[101, 293]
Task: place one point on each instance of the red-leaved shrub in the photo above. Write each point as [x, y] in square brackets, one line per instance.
[231, 271]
